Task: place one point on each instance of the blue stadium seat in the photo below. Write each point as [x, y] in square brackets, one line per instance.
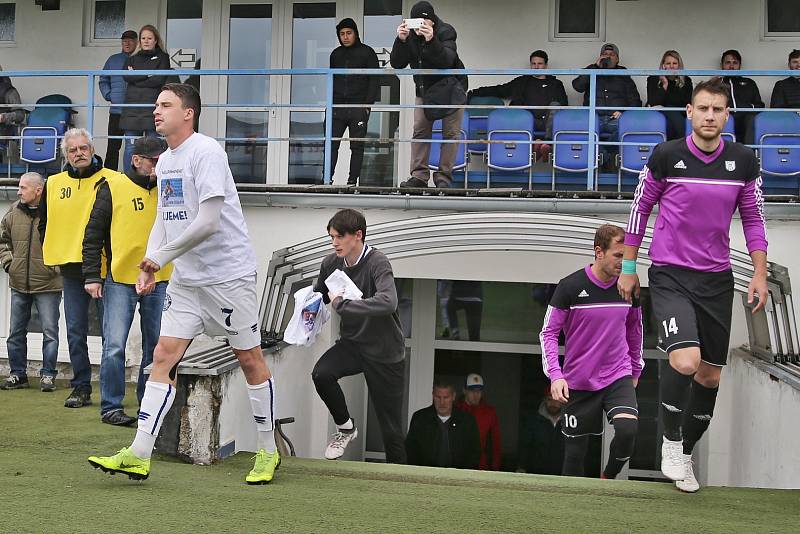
[780, 167]
[462, 154]
[727, 132]
[647, 127]
[571, 125]
[46, 125]
[477, 120]
[513, 128]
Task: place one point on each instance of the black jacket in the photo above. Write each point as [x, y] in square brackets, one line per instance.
[786, 93]
[439, 53]
[528, 91]
[611, 90]
[143, 89]
[354, 89]
[422, 440]
[97, 236]
[673, 97]
[744, 92]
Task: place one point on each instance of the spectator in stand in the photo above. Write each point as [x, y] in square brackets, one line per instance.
[440, 436]
[143, 89]
[542, 442]
[786, 93]
[488, 425]
[671, 92]
[119, 225]
[113, 89]
[64, 210]
[744, 94]
[611, 91]
[532, 90]
[11, 116]
[32, 282]
[432, 46]
[356, 89]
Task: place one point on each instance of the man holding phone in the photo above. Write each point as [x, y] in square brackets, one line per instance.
[424, 41]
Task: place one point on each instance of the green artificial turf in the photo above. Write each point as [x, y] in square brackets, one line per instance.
[46, 485]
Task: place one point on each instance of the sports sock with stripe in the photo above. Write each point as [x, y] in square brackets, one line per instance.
[262, 401]
[156, 402]
[674, 395]
[698, 414]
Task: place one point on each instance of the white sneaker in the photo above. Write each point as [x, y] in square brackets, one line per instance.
[338, 444]
[672, 463]
[688, 484]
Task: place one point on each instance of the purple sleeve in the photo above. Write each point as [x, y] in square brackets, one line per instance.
[554, 320]
[751, 209]
[647, 194]
[635, 337]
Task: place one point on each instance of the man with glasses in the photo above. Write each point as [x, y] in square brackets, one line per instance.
[119, 224]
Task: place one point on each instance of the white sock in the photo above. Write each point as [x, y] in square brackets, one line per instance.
[349, 425]
[262, 401]
[156, 402]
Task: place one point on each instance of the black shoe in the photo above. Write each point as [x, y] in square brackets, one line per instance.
[15, 382]
[78, 398]
[441, 183]
[117, 418]
[47, 383]
[414, 182]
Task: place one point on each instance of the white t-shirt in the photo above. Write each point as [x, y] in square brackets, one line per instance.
[187, 175]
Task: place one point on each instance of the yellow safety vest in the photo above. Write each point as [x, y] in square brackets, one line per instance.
[69, 204]
[132, 215]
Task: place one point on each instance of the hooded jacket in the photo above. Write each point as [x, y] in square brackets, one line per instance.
[611, 90]
[354, 89]
[143, 89]
[69, 186]
[21, 252]
[528, 91]
[786, 93]
[438, 53]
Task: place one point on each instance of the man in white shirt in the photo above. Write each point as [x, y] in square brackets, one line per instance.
[201, 230]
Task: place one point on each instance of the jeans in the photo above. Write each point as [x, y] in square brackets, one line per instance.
[609, 131]
[112, 152]
[47, 305]
[130, 138]
[76, 314]
[119, 302]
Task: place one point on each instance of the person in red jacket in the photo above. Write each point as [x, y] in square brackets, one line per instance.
[488, 425]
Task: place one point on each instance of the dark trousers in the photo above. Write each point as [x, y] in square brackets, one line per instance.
[354, 119]
[385, 383]
[474, 311]
[114, 145]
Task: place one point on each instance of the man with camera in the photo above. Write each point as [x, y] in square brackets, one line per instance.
[424, 41]
[611, 91]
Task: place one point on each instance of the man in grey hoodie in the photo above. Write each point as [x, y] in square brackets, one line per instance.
[370, 337]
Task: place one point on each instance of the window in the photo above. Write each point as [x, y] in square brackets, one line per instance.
[105, 21]
[7, 22]
[184, 32]
[781, 19]
[577, 20]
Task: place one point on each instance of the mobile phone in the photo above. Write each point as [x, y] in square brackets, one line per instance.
[414, 24]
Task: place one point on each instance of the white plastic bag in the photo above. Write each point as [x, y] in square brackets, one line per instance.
[338, 282]
[310, 314]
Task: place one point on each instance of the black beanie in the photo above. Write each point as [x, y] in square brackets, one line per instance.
[423, 10]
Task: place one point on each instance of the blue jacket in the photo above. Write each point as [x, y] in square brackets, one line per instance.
[113, 87]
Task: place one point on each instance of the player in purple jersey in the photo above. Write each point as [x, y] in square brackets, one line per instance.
[698, 183]
[602, 355]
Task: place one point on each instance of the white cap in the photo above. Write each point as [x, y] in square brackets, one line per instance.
[474, 380]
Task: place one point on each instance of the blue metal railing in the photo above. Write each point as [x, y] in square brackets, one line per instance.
[91, 105]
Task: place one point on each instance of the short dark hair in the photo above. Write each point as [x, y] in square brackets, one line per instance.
[715, 86]
[190, 98]
[539, 53]
[439, 383]
[348, 221]
[732, 52]
[606, 234]
[794, 54]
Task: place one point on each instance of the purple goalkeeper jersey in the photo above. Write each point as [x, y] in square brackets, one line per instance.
[697, 194]
[603, 333]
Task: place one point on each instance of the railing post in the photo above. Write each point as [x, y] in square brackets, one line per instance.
[328, 172]
[90, 104]
[591, 158]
